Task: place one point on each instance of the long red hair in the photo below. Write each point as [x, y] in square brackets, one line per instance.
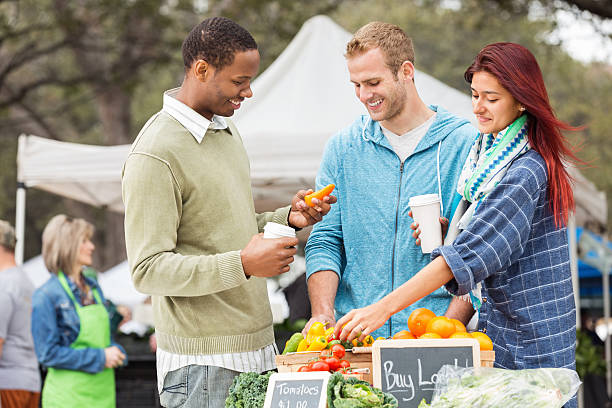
[517, 71]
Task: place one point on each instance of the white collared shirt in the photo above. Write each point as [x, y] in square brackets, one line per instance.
[259, 360]
[195, 123]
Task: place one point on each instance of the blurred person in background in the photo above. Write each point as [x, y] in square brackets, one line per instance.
[19, 375]
[70, 322]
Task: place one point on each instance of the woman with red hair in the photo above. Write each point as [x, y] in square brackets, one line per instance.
[513, 239]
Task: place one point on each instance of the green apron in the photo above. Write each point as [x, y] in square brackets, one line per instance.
[71, 388]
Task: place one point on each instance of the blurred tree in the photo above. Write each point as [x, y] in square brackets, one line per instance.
[273, 23]
[599, 8]
[69, 71]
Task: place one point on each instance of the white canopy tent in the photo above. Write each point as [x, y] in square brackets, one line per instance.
[86, 173]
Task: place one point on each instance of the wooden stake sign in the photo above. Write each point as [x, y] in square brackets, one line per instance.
[408, 368]
[297, 390]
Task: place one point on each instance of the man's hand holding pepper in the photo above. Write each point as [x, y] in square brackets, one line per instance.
[301, 215]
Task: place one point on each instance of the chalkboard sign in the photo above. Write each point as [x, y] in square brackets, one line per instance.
[297, 390]
[408, 368]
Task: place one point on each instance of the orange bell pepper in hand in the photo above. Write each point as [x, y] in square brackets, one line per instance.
[325, 191]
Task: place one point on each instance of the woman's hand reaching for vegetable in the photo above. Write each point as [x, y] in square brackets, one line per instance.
[359, 323]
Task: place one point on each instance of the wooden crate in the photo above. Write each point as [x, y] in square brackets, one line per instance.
[487, 358]
[360, 357]
[290, 363]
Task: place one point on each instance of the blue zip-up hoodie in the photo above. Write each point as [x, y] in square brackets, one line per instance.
[366, 237]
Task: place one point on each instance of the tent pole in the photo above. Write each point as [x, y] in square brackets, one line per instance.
[20, 222]
[573, 249]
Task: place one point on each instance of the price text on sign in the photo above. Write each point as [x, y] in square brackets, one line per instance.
[297, 390]
[408, 368]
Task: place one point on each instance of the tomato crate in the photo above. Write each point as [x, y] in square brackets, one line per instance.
[291, 362]
[359, 357]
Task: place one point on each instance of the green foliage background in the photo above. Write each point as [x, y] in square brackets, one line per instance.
[99, 36]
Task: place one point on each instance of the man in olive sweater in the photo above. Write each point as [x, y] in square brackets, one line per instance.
[193, 237]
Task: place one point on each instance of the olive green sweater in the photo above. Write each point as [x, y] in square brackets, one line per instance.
[188, 212]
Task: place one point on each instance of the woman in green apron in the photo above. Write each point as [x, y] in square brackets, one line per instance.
[70, 322]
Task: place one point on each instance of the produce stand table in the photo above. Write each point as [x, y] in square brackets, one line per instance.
[359, 357]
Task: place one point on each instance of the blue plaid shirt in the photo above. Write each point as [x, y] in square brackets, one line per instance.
[513, 247]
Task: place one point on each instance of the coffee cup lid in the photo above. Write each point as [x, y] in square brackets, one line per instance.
[424, 199]
[279, 229]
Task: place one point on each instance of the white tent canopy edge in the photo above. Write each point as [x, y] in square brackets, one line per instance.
[86, 173]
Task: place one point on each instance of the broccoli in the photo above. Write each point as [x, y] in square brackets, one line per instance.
[248, 391]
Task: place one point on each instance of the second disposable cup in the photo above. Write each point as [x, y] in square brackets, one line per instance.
[426, 211]
[275, 230]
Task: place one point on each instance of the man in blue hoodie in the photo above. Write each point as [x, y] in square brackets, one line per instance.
[363, 249]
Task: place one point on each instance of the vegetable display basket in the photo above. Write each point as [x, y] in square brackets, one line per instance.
[359, 357]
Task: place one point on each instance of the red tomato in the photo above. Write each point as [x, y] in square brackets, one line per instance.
[344, 364]
[304, 369]
[319, 366]
[338, 350]
[332, 362]
[324, 354]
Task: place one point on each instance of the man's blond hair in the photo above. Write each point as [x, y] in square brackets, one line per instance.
[391, 39]
[61, 241]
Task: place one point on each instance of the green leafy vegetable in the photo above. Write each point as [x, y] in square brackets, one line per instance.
[353, 393]
[248, 391]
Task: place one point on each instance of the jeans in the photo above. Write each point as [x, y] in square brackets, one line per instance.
[197, 386]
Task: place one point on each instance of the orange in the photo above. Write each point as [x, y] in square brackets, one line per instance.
[460, 335]
[418, 319]
[404, 334]
[430, 335]
[441, 325]
[484, 340]
[459, 327]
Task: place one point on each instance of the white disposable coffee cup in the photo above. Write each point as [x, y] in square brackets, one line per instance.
[275, 230]
[426, 211]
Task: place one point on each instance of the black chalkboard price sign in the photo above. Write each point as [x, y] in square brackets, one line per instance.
[297, 390]
[408, 368]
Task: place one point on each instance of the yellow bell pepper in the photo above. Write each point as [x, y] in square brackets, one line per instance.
[317, 329]
[318, 344]
[357, 343]
[368, 341]
[303, 346]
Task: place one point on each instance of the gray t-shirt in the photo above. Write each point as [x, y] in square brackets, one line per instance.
[18, 364]
[404, 145]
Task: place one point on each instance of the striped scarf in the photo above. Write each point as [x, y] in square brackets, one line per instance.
[487, 163]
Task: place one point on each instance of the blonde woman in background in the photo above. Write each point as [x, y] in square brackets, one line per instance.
[70, 323]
